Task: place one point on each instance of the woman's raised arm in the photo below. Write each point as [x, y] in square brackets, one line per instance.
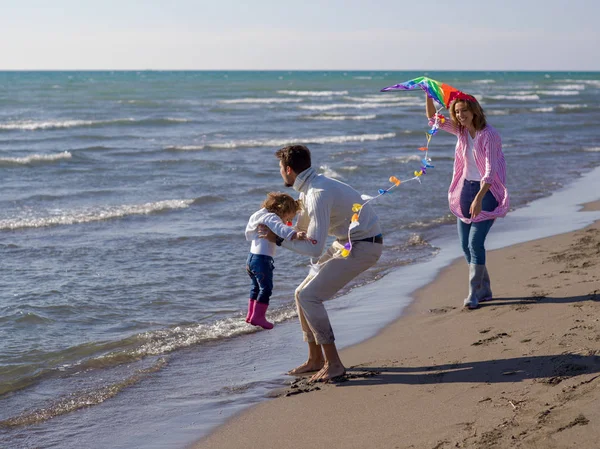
[429, 106]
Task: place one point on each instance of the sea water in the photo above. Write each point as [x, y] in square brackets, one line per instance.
[124, 202]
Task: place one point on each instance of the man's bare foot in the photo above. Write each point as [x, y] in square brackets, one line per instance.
[307, 367]
[328, 372]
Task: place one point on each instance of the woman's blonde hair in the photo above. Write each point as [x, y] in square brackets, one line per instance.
[281, 204]
[479, 120]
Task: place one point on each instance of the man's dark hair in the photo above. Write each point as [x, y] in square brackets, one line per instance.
[297, 157]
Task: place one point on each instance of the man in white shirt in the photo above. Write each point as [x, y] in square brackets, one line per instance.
[327, 210]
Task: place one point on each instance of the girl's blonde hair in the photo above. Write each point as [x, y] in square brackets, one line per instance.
[281, 204]
[479, 120]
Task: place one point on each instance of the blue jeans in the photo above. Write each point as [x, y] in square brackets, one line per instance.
[260, 269]
[472, 236]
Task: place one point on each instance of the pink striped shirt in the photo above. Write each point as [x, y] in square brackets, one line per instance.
[490, 162]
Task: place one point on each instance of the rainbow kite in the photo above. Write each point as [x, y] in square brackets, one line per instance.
[442, 93]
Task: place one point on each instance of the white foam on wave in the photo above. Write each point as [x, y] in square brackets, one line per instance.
[36, 158]
[579, 86]
[595, 83]
[406, 159]
[281, 142]
[484, 81]
[329, 172]
[389, 98]
[167, 340]
[545, 109]
[92, 215]
[329, 107]
[313, 93]
[523, 97]
[592, 150]
[340, 117]
[261, 101]
[572, 106]
[185, 147]
[557, 92]
[29, 125]
[497, 112]
[32, 125]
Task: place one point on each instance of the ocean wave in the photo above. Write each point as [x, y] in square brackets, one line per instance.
[260, 101]
[282, 142]
[164, 341]
[339, 117]
[313, 93]
[592, 149]
[418, 158]
[329, 107]
[389, 98]
[566, 106]
[497, 112]
[30, 125]
[521, 92]
[417, 240]
[523, 97]
[35, 158]
[544, 109]
[81, 399]
[595, 83]
[579, 86]
[406, 159]
[446, 219]
[345, 153]
[208, 199]
[484, 81]
[557, 92]
[93, 215]
[185, 147]
[32, 319]
[329, 172]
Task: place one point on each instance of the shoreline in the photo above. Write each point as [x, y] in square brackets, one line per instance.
[510, 374]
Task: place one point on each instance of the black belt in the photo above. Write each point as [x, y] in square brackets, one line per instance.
[377, 239]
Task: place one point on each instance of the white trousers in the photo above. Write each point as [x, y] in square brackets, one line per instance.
[335, 272]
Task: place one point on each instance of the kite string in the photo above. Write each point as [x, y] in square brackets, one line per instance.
[426, 161]
[357, 208]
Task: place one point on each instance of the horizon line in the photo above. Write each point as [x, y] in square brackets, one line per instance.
[304, 70]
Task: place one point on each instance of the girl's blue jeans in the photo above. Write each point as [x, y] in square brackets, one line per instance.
[472, 236]
[260, 269]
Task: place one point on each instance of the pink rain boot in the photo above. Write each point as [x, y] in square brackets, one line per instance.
[251, 304]
[258, 317]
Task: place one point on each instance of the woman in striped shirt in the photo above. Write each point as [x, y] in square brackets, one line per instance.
[477, 193]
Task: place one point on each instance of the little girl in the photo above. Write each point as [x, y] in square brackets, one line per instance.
[277, 211]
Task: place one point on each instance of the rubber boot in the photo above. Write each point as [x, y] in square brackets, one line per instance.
[258, 317]
[485, 293]
[251, 304]
[475, 281]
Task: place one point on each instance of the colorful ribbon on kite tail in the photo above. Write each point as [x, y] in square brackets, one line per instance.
[357, 208]
[443, 94]
[425, 165]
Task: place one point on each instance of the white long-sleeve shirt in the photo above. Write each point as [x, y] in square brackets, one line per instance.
[274, 223]
[327, 210]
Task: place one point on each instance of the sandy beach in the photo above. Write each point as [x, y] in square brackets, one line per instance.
[522, 371]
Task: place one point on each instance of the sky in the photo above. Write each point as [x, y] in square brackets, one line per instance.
[300, 35]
